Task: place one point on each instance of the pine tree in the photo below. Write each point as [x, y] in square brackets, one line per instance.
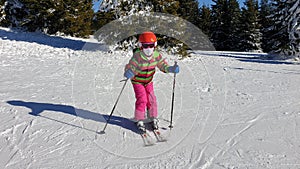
[2, 12]
[205, 20]
[225, 24]
[165, 6]
[185, 9]
[77, 18]
[105, 14]
[126, 12]
[250, 34]
[282, 33]
[265, 22]
[13, 12]
[293, 22]
[128, 8]
[65, 16]
[120, 12]
[102, 18]
[232, 26]
[38, 12]
[219, 35]
[189, 10]
[55, 18]
[279, 38]
[133, 9]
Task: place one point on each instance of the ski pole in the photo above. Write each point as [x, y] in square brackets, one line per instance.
[172, 105]
[113, 109]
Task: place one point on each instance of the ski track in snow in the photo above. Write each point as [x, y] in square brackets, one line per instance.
[232, 110]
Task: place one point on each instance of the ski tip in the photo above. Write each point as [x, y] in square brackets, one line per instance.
[101, 132]
[149, 145]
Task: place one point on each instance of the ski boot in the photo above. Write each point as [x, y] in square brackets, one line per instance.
[141, 126]
[154, 124]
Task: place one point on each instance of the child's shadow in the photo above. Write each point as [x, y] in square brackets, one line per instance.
[38, 108]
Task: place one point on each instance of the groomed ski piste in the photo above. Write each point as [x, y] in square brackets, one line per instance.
[232, 110]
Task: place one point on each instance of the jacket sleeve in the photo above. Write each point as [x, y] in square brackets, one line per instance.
[162, 64]
[133, 64]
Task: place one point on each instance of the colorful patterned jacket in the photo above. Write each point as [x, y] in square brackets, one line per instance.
[143, 68]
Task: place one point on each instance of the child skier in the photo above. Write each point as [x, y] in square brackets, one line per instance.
[141, 69]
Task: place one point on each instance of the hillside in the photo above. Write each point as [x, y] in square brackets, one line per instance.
[232, 110]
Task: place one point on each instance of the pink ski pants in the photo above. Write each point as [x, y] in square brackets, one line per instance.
[145, 98]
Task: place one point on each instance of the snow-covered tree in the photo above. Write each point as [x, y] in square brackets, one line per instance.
[77, 18]
[12, 12]
[278, 34]
[2, 11]
[40, 15]
[64, 16]
[284, 33]
[123, 8]
[250, 28]
[120, 10]
[165, 6]
[126, 10]
[293, 22]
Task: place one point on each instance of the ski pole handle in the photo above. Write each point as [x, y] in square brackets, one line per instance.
[175, 64]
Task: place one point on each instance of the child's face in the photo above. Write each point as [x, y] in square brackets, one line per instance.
[148, 49]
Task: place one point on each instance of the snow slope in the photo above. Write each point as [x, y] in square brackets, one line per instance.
[232, 110]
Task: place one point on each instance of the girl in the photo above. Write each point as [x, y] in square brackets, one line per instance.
[141, 69]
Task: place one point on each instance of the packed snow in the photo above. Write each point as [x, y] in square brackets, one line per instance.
[232, 110]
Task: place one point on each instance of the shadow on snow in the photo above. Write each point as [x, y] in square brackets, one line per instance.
[38, 108]
[247, 57]
[53, 41]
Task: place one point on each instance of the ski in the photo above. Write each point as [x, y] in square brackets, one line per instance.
[147, 139]
[145, 132]
[159, 136]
